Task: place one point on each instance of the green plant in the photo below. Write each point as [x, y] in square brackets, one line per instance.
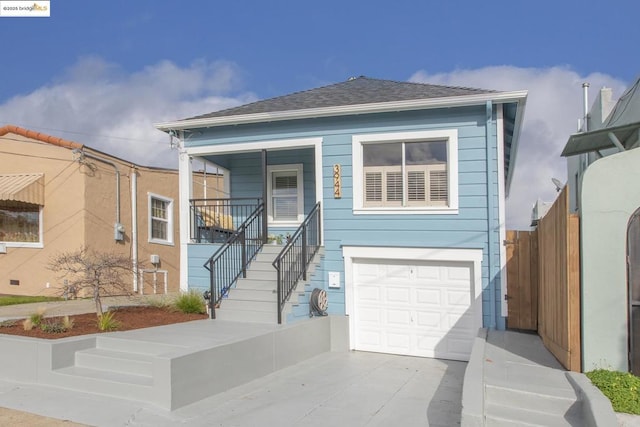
[107, 322]
[622, 389]
[37, 317]
[21, 299]
[55, 326]
[191, 302]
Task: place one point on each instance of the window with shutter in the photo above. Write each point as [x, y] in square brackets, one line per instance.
[406, 172]
[286, 195]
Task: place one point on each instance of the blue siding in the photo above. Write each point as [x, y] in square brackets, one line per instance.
[198, 254]
[476, 225]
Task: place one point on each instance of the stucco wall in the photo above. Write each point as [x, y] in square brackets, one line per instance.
[80, 211]
[610, 195]
[63, 218]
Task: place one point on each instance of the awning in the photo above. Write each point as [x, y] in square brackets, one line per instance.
[599, 139]
[24, 187]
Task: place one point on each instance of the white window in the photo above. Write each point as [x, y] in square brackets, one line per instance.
[160, 219]
[286, 194]
[20, 224]
[406, 172]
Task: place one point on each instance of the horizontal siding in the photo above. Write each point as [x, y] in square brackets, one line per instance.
[467, 229]
[198, 254]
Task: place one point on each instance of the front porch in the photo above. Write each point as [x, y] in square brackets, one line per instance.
[273, 193]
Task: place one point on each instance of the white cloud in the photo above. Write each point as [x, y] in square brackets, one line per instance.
[98, 104]
[554, 105]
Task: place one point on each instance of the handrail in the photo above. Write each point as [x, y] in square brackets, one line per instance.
[292, 262]
[231, 259]
[215, 220]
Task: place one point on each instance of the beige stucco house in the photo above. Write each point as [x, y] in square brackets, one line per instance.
[57, 196]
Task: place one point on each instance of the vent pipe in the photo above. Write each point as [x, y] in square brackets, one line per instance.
[585, 98]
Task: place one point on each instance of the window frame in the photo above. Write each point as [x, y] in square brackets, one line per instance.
[298, 169]
[37, 245]
[169, 220]
[450, 136]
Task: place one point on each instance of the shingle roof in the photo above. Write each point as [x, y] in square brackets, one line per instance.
[355, 91]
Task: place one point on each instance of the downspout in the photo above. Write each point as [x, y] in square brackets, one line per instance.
[119, 229]
[490, 218]
[134, 226]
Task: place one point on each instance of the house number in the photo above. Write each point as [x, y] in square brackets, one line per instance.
[337, 182]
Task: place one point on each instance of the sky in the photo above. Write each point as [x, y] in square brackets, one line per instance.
[102, 72]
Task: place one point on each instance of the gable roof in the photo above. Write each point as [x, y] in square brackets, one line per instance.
[60, 142]
[355, 96]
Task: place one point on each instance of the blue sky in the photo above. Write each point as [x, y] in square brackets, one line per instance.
[101, 73]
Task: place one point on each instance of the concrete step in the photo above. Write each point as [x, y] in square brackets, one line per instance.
[262, 274]
[127, 386]
[253, 294]
[249, 316]
[112, 342]
[257, 284]
[115, 361]
[509, 416]
[231, 304]
[529, 401]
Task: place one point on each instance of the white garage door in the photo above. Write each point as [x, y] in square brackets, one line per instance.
[414, 308]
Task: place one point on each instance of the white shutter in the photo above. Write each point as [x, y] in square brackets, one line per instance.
[373, 188]
[438, 188]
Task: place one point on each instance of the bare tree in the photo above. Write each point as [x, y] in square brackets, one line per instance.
[92, 272]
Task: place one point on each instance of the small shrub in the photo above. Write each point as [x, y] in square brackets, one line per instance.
[107, 322]
[7, 323]
[36, 318]
[27, 325]
[622, 389]
[67, 322]
[53, 327]
[191, 302]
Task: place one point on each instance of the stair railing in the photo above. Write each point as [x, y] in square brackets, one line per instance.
[293, 261]
[231, 260]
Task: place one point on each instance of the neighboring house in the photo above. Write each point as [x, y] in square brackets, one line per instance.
[608, 201]
[58, 196]
[402, 183]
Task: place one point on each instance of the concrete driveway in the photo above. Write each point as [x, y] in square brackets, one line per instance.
[331, 389]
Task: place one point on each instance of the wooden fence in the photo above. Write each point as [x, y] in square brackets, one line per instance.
[522, 280]
[557, 286]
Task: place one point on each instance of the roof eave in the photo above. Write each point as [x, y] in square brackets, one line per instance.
[382, 107]
[522, 103]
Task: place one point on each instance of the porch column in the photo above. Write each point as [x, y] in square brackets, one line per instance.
[185, 180]
[265, 215]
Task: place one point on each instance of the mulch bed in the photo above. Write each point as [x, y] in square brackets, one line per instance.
[133, 317]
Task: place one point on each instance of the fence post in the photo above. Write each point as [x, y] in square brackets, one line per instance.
[304, 252]
[279, 285]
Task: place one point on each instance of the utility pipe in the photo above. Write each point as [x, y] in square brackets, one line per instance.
[134, 226]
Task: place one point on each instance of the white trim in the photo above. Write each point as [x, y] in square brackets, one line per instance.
[33, 245]
[342, 110]
[169, 201]
[298, 168]
[504, 305]
[185, 187]
[243, 147]
[353, 253]
[319, 188]
[451, 135]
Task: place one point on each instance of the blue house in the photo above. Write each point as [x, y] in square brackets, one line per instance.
[385, 201]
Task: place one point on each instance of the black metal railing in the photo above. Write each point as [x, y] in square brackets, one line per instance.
[292, 263]
[215, 220]
[231, 260]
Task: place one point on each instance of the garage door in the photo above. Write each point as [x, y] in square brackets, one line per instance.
[417, 309]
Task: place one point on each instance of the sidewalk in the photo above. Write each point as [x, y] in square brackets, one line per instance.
[76, 306]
